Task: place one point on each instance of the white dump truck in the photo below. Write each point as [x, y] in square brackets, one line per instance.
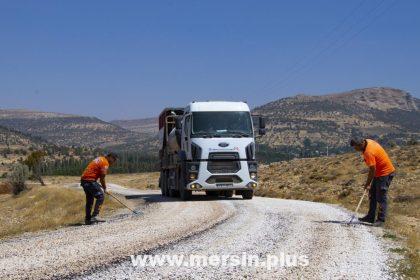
[208, 146]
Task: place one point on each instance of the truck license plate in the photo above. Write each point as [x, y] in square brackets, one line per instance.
[224, 185]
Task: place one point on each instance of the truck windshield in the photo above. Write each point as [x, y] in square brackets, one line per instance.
[221, 124]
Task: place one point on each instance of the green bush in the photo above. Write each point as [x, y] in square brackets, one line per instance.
[17, 178]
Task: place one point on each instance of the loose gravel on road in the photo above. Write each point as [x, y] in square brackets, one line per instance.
[262, 226]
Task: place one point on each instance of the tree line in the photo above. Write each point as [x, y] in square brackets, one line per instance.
[128, 162]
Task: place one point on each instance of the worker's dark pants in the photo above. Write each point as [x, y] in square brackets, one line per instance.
[93, 190]
[378, 195]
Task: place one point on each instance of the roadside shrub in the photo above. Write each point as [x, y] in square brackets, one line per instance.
[17, 178]
[345, 192]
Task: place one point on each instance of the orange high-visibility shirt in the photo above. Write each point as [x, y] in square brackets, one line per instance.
[97, 167]
[375, 155]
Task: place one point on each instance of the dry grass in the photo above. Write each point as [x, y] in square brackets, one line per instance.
[5, 188]
[53, 206]
[42, 208]
[140, 181]
[339, 180]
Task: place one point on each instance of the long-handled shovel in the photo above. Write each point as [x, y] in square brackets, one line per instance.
[125, 205]
[357, 208]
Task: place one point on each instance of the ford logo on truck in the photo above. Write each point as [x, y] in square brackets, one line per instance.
[223, 144]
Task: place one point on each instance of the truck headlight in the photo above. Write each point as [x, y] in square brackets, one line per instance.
[253, 175]
[196, 186]
[252, 185]
[193, 176]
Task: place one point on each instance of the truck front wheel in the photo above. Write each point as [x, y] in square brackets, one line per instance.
[247, 194]
[162, 188]
[212, 193]
[184, 194]
[172, 193]
[163, 183]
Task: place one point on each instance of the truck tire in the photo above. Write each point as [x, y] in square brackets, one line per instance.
[184, 194]
[228, 193]
[212, 193]
[161, 185]
[172, 193]
[165, 189]
[247, 194]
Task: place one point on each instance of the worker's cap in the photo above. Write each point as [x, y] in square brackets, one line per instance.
[113, 155]
[356, 142]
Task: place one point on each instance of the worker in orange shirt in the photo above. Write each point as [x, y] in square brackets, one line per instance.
[381, 173]
[97, 169]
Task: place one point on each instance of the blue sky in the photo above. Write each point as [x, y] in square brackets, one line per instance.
[129, 59]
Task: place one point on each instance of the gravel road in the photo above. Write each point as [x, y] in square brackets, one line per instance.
[259, 227]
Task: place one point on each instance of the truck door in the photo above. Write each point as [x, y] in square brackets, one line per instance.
[186, 139]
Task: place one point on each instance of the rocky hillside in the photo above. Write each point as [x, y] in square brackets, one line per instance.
[69, 130]
[16, 146]
[13, 146]
[12, 139]
[330, 120]
[380, 98]
[297, 126]
[147, 129]
[144, 126]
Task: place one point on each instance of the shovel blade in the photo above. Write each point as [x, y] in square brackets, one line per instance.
[351, 220]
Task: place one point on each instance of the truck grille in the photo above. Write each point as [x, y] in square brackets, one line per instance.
[223, 163]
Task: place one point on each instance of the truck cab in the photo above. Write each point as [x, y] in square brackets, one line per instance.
[209, 146]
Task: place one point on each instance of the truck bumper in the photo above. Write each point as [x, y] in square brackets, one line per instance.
[240, 180]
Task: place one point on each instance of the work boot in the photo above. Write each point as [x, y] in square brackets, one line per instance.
[367, 219]
[96, 219]
[88, 222]
[379, 223]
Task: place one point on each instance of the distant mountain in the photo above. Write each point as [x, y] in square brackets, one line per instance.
[70, 130]
[302, 125]
[15, 146]
[331, 120]
[12, 139]
[144, 126]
